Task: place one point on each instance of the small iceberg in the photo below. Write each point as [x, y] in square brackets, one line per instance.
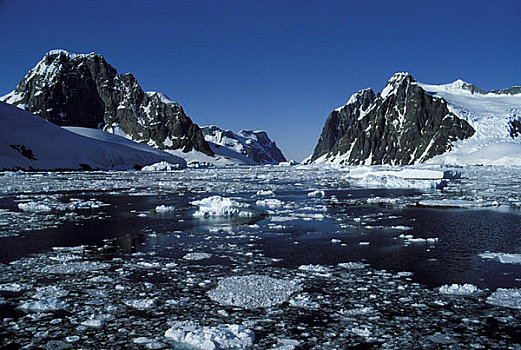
[222, 336]
[253, 291]
[222, 206]
[505, 297]
[503, 258]
[459, 289]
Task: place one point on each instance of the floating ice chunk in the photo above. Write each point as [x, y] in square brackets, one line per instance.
[316, 269]
[383, 200]
[48, 292]
[459, 289]
[411, 239]
[94, 323]
[407, 178]
[72, 338]
[303, 300]
[36, 207]
[75, 267]
[222, 206]
[162, 166]
[140, 304]
[361, 332]
[353, 265]
[358, 311]
[14, 287]
[253, 291]
[317, 193]
[165, 209]
[270, 203]
[101, 279]
[503, 258]
[456, 203]
[65, 257]
[287, 344]
[504, 297]
[44, 305]
[197, 256]
[207, 337]
[265, 193]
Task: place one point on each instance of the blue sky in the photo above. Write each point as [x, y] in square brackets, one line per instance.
[281, 66]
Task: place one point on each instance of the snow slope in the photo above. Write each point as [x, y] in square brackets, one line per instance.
[30, 142]
[490, 114]
[245, 147]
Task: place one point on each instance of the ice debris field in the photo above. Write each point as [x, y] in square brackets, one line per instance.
[286, 257]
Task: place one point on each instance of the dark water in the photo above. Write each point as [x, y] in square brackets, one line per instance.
[462, 234]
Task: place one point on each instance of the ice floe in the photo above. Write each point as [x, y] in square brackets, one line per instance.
[253, 291]
[44, 305]
[459, 289]
[505, 297]
[140, 304]
[74, 267]
[165, 208]
[504, 258]
[162, 166]
[223, 336]
[406, 178]
[271, 203]
[197, 256]
[456, 203]
[222, 206]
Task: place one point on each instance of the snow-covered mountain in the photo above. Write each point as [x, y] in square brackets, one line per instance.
[84, 90]
[32, 143]
[496, 117]
[246, 147]
[411, 122]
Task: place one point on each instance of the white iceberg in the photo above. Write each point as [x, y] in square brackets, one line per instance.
[162, 166]
[455, 203]
[270, 203]
[222, 206]
[165, 208]
[140, 304]
[253, 291]
[197, 256]
[459, 289]
[44, 305]
[504, 297]
[503, 258]
[406, 178]
[222, 336]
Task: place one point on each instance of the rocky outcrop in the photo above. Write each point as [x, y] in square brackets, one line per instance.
[402, 125]
[84, 90]
[247, 146]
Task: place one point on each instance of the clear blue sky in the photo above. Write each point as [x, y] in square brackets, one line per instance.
[281, 66]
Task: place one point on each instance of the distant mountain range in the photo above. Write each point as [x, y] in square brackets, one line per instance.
[83, 90]
[411, 122]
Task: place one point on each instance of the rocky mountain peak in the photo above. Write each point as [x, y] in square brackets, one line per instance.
[84, 90]
[399, 81]
[403, 125]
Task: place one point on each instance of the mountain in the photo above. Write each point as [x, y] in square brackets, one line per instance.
[246, 147]
[401, 125]
[31, 143]
[85, 91]
[496, 117]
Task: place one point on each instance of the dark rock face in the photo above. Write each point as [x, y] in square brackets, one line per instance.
[510, 91]
[268, 152]
[515, 127]
[340, 120]
[402, 125]
[84, 90]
